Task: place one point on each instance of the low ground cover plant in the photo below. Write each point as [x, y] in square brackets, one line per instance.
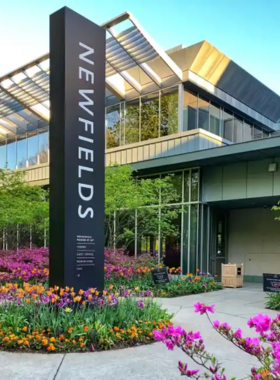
[33, 317]
[265, 347]
[122, 271]
[273, 301]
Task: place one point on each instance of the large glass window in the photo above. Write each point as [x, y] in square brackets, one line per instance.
[194, 185]
[171, 237]
[11, 154]
[215, 119]
[238, 130]
[132, 113]
[32, 148]
[190, 111]
[258, 134]
[176, 180]
[3, 157]
[203, 114]
[193, 245]
[228, 125]
[150, 117]
[21, 151]
[43, 147]
[113, 126]
[247, 132]
[169, 112]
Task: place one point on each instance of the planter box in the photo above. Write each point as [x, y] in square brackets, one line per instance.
[232, 275]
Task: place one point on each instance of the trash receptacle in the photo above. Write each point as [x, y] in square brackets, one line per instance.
[232, 275]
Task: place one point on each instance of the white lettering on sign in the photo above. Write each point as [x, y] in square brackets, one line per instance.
[86, 130]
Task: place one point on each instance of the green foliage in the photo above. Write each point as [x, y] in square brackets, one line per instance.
[178, 285]
[273, 301]
[276, 208]
[21, 203]
[128, 197]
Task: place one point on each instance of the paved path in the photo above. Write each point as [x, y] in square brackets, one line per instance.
[152, 362]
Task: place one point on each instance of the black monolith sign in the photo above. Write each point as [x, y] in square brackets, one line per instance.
[77, 97]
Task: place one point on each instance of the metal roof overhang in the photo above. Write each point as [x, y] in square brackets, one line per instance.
[247, 151]
[130, 72]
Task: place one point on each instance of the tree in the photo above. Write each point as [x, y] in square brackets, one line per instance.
[20, 203]
[137, 205]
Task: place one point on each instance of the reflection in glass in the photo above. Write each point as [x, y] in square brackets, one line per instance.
[113, 126]
[21, 151]
[125, 228]
[258, 134]
[3, 158]
[150, 117]
[194, 185]
[169, 113]
[238, 130]
[203, 114]
[32, 148]
[185, 259]
[132, 113]
[215, 119]
[193, 238]
[171, 240]
[186, 186]
[11, 154]
[176, 180]
[190, 111]
[228, 125]
[43, 147]
[247, 132]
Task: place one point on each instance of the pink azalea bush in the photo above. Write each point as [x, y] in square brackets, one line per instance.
[25, 264]
[265, 347]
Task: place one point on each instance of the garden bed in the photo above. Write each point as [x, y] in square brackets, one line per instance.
[60, 320]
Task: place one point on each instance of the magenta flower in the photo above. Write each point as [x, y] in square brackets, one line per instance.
[169, 344]
[225, 325]
[261, 323]
[158, 335]
[202, 308]
[238, 333]
[183, 368]
[216, 324]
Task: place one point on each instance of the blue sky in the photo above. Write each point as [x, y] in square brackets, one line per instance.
[248, 31]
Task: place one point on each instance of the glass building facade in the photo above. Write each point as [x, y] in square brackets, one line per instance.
[144, 118]
[141, 119]
[188, 244]
[25, 150]
[199, 112]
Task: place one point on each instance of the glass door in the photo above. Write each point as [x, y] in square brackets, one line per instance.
[218, 254]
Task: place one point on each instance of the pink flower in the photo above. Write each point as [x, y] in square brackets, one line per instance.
[216, 324]
[196, 335]
[183, 368]
[261, 323]
[238, 334]
[202, 308]
[225, 326]
[169, 344]
[159, 335]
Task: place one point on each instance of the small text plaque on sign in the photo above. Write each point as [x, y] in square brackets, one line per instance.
[271, 282]
[160, 276]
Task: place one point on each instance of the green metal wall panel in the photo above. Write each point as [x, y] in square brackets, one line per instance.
[212, 180]
[235, 181]
[240, 181]
[260, 180]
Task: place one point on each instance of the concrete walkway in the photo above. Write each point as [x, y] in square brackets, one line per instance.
[151, 362]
